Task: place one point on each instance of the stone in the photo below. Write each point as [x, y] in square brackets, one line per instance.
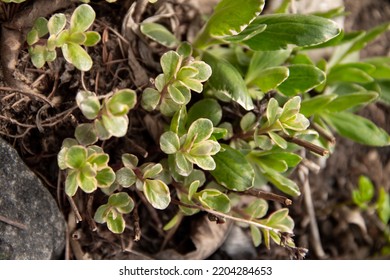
[31, 224]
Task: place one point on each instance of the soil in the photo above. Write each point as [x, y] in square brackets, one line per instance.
[36, 129]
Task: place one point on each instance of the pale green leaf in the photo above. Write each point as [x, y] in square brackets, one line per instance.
[150, 99]
[126, 177]
[105, 177]
[40, 25]
[117, 126]
[56, 24]
[71, 184]
[248, 121]
[92, 38]
[115, 224]
[82, 18]
[86, 134]
[157, 193]
[76, 157]
[170, 63]
[121, 102]
[347, 101]
[256, 235]
[278, 140]
[77, 56]
[204, 162]
[214, 199]
[101, 214]
[120, 199]
[87, 183]
[169, 142]
[88, 103]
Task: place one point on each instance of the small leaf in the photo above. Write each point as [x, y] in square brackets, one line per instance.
[88, 103]
[157, 193]
[281, 182]
[92, 38]
[121, 102]
[101, 131]
[357, 128]
[199, 130]
[383, 206]
[82, 18]
[76, 157]
[126, 177]
[87, 183]
[115, 224]
[214, 199]
[37, 54]
[86, 134]
[206, 108]
[179, 121]
[256, 235]
[226, 78]
[184, 49]
[77, 56]
[193, 188]
[347, 101]
[273, 111]
[71, 183]
[248, 121]
[302, 78]
[257, 209]
[152, 170]
[351, 73]
[204, 70]
[117, 126]
[170, 63]
[233, 171]
[176, 95]
[159, 33]
[280, 220]
[150, 99]
[105, 177]
[278, 140]
[40, 25]
[169, 142]
[77, 38]
[119, 199]
[173, 222]
[101, 214]
[130, 161]
[56, 24]
[184, 166]
[204, 162]
[32, 37]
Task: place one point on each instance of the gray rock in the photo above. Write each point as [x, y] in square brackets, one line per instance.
[39, 232]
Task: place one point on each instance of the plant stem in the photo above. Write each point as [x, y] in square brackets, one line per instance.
[306, 144]
[268, 196]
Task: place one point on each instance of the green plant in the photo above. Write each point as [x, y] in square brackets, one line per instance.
[70, 40]
[260, 100]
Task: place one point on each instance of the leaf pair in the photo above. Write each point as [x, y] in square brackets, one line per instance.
[112, 212]
[87, 168]
[110, 119]
[146, 179]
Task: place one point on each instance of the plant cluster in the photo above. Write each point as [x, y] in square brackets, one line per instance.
[240, 102]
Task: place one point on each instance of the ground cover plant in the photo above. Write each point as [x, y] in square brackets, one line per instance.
[211, 129]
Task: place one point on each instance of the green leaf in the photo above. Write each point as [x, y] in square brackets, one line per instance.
[130, 161]
[358, 129]
[170, 63]
[56, 24]
[278, 140]
[40, 25]
[77, 56]
[233, 171]
[214, 199]
[151, 170]
[169, 142]
[77, 38]
[82, 18]
[184, 49]
[226, 78]
[101, 214]
[157, 193]
[204, 70]
[262, 60]
[200, 130]
[88, 103]
[347, 101]
[184, 167]
[316, 104]
[281, 182]
[86, 134]
[176, 95]
[37, 54]
[257, 209]
[121, 102]
[358, 72]
[117, 126]
[248, 121]
[302, 78]
[229, 18]
[271, 78]
[150, 99]
[383, 206]
[32, 37]
[120, 200]
[101, 131]
[193, 188]
[87, 183]
[76, 157]
[115, 224]
[281, 220]
[126, 177]
[91, 38]
[273, 111]
[204, 162]
[71, 183]
[256, 235]
[364, 193]
[297, 29]
[105, 177]
[206, 108]
[159, 33]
